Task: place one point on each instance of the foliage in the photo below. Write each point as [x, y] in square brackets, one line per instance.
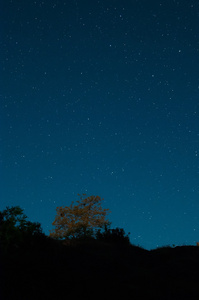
[13, 216]
[15, 228]
[116, 235]
[80, 220]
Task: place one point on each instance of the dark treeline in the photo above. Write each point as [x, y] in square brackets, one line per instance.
[35, 266]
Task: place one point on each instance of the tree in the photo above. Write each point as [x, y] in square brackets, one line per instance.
[80, 220]
[13, 217]
[14, 227]
[116, 236]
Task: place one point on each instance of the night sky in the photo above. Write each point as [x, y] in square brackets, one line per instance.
[102, 97]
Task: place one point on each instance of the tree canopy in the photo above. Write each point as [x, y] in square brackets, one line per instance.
[80, 219]
[15, 228]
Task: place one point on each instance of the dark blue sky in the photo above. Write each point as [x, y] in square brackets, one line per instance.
[102, 98]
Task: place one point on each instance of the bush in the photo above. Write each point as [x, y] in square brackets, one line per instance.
[116, 235]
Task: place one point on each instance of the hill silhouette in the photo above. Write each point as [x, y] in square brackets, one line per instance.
[44, 268]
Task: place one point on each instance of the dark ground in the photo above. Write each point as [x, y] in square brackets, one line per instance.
[47, 269]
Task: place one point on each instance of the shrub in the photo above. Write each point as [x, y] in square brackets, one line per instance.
[116, 235]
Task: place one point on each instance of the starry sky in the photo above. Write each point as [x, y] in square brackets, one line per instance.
[102, 97]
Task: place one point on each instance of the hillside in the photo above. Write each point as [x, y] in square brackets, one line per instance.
[44, 268]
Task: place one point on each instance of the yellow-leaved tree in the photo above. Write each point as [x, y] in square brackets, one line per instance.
[80, 220]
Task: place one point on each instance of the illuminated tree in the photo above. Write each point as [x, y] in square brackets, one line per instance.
[79, 220]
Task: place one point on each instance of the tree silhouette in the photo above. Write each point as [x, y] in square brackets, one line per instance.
[80, 220]
[15, 228]
[116, 236]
